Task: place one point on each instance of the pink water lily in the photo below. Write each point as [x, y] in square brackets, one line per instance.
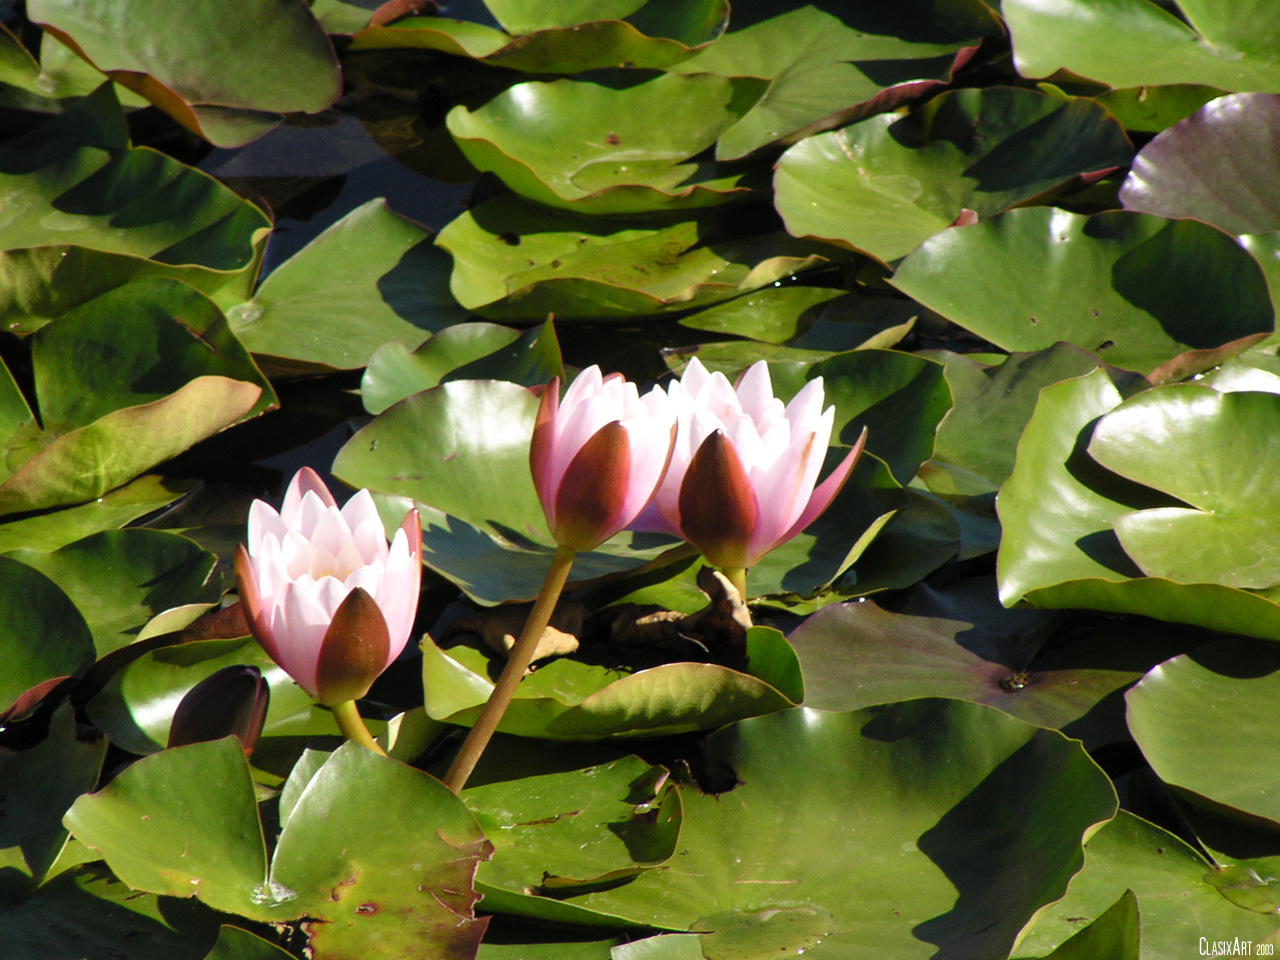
[597, 455]
[744, 469]
[329, 600]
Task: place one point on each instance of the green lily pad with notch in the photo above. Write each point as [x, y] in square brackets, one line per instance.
[566, 832]
[1202, 720]
[1049, 668]
[120, 579]
[371, 278]
[568, 699]
[591, 148]
[40, 784]
[1114, 935]
[465, 351]
[1217, 165]
[885, 184]
[75, 180]
[460, 452]
[564, 37]
[26, 628]
[517, 261]
[136, 706]
[1135, 289]
[922, 826]
[829, 64]
[161, 830]
[1189, 441]
[116, 509]
[86, 911]
[1136, 43]
[1058, 508]
[226, 78]
[1177, 903]
[974, 451]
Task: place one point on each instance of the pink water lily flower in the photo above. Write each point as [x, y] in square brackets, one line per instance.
[329, 600]
[744, 470]
[597, 455]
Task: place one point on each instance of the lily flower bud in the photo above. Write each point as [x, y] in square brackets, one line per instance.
[329, 600]
[229, 701]
[597, 456]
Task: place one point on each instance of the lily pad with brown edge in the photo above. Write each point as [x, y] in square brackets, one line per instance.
[513, 260]
[568, 699]
[828, 64]
[161, 830]
[885, 184]
[592, 148]
[226, 78]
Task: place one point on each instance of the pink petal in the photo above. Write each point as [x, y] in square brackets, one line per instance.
[827, 490]
[542, 446]
[304, 481]
[782, 494]
[263, 521]
[755, 391]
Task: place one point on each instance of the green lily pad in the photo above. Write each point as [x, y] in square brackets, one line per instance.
[1189, 441]
[40, 784]
[774, 314]
[976, 440]
[563, 833]
[566, 37]
[467, 351]
[591, 148]
[1059, 548]
[964, 822]
[513, 260]
[121, 579]
[152, 361]
[1152, 109]
[49, 531]
[883, 185]
[1202, 722]
[1133, 43]
[25, 629]
[136, 706]
[370, 278]
[1047, 668]
[75, 180]
[829, 64]
[43, 283]
[226, 78]
[1177, 904]
[1135, 289]
[567, 699]
[160, 829]
[460, 452]
[1181, 173]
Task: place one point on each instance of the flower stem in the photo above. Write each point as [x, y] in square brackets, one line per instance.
[738, 577]
[517, 663]
[352, 726]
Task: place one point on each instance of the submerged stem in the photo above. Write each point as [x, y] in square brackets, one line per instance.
[517, 663]
[352, 726]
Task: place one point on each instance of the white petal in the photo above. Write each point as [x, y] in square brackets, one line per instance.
[755, 390]
[263, 520]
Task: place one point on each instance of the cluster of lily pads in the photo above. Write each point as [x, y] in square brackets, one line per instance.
[1011, 695]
